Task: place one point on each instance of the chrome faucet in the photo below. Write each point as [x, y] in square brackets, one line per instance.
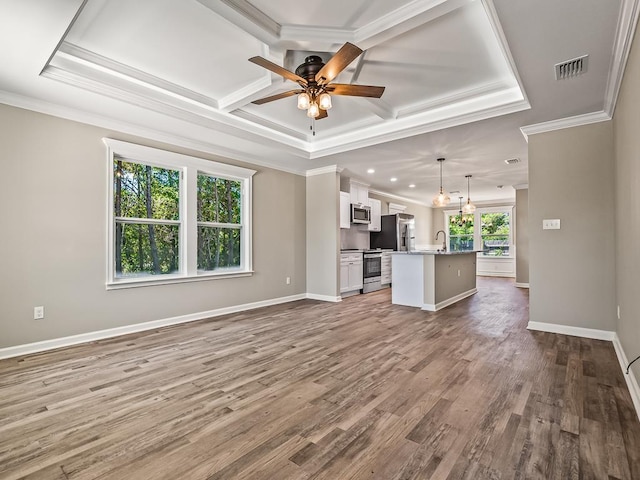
[444, 243]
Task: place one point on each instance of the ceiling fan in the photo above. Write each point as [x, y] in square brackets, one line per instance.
[314, 78]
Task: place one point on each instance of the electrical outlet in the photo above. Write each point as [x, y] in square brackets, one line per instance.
[458, 272]
[551, 224]
[38, 313]
[288, 280]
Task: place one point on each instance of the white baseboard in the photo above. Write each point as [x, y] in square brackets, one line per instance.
[430, 307]
[630, 378]
[573, 331]
[482, 273]
[522, 285]
[35, 347]
[324, 298]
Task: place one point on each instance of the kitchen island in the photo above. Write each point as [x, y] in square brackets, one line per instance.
[432, 280]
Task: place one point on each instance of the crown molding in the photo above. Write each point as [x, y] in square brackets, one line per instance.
[521, 186]
[246, 17]
[76, 115]
[627, 22]
[399, 197]
[323, 170]
[561, 123]
[501, 103]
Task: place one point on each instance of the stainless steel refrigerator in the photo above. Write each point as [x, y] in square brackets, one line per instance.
[396, 232]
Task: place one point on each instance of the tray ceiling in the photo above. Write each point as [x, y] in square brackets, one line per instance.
[443, 63]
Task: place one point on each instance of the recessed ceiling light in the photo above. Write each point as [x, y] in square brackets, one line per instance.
[512, 161]
[412, 186]
[371, 170]
[393, 179]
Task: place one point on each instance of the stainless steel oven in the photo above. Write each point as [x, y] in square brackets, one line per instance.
[372, 272]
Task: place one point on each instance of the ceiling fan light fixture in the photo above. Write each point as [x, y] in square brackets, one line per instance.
[303, 101]
[313, 111]
[325, 101]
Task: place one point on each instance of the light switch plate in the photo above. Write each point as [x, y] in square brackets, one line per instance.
[551, 224]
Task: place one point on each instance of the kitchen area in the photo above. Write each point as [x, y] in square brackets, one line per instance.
[379, 251]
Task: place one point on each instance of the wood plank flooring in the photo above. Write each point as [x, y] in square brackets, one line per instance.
[310, 390]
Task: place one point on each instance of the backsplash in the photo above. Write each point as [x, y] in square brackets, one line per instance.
[354, 237]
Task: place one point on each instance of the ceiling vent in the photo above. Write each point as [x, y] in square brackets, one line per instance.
[512, 161]
[572, 68]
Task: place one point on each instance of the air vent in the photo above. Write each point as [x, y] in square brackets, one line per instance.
[572, 68]
[512, 161]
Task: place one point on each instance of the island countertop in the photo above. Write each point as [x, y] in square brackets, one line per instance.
[437, 252]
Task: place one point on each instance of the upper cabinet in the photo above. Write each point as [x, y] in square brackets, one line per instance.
[345, 210]
[376, 212]
[359, 193]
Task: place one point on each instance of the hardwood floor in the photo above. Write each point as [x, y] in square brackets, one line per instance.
[309, 390]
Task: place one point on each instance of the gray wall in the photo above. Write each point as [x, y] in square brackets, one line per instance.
[323, 239]
[627, 182]
[522, 236]
[422, 216]
[571, 271]
[53, 244]
[449, 284]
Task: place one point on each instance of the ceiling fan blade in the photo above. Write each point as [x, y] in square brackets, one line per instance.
[355, 90]
[322, 114]
[263, 62]
[277, 97]
[343, 57]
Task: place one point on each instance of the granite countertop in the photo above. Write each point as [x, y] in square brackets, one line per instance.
[436, 252]
[367, 250]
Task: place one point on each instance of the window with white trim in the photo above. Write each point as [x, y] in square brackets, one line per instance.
[489, 230]
[175, 218]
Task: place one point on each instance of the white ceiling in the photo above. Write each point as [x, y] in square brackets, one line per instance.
[461, 78]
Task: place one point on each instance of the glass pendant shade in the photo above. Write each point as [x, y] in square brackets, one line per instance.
[442, 199]
[303, 101]
[313, 111]
[325, 101]
[469, 207]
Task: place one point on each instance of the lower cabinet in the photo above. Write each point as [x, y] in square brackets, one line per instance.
[350, 272]
[385, 270]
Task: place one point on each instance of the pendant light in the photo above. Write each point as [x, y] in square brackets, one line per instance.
[469, 207]
[442, 199]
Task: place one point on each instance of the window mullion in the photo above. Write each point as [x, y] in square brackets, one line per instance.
[190, 224]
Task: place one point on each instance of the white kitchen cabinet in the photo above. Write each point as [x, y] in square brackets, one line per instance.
[359, 193]
[385, 268]
[350, 272]
[345, 210]
[376, 211]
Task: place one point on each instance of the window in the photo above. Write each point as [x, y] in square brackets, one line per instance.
[493, 237]
[460, 232]
[219, 223]
[175, 218]
[496, 229]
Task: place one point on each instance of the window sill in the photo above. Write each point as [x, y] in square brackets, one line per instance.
[169, 280]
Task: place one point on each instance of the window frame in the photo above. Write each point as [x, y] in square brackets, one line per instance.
[477, 230]
[189, 168]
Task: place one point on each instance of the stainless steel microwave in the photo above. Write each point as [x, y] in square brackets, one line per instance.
[360, 213]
